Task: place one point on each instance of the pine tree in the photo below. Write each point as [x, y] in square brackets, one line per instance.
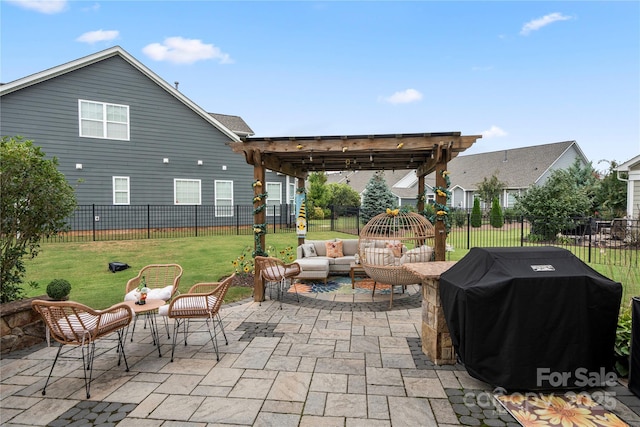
[476, 214]
[497, 219]
[377, 197]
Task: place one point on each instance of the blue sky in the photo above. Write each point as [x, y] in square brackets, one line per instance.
[518, 73]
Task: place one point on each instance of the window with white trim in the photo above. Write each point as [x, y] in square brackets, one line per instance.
[223, 196]
[274, 198]
[102, 120]
[121, 190]
[187, 191]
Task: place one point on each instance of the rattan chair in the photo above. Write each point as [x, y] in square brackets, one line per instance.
[73, 323]
[274, 270]
[203, 301]
[162, 280]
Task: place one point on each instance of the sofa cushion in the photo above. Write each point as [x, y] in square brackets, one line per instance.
[396, 248]
[158, 293]
[379, 256]
[309, 250]
[349, 246]
[314, 264]
[420, 254]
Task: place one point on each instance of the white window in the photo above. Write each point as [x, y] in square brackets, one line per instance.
[120, 190]
[223, 198]
[274, 198]
[101, 120]
[292, 198]
[186, 191]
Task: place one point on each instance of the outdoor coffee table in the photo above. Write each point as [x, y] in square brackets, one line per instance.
[356, 269]
[149, 309]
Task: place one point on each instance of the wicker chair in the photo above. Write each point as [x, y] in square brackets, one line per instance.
[76, 324]
[274, 270]
[391, 239]
[162, 280]
[203, 301]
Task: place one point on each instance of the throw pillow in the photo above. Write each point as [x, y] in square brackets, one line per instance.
[309, 250]
[396, 248]
[334, 249]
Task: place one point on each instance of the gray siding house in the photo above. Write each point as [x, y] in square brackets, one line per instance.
[518, 168]
[124, 136]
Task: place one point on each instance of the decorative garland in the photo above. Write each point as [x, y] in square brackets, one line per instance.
[259, 229]
[301, 190]
[440, 210]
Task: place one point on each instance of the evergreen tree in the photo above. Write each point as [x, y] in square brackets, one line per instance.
[476, 214]
[497, 220]
[377, 197]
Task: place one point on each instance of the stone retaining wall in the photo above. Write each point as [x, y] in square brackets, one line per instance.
[20, 325]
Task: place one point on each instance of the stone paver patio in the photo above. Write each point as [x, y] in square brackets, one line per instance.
[317, 362]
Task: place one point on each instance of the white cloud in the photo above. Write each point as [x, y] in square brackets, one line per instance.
[493, 132]
[43, 6]
[404, 97]
[185, 51]
[536, 24]
[98, 36]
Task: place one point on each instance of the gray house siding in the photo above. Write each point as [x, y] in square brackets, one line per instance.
[161, 126]
[563, 162]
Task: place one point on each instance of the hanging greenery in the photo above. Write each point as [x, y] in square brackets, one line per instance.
[259, 229]
[440, 211]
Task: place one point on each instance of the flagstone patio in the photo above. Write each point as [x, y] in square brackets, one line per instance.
[318, 362]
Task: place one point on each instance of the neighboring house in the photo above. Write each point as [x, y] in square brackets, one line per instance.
[632, 168]
[124, 136]
[517, 168]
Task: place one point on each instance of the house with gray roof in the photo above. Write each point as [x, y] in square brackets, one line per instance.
[517, 168]
[124, 136]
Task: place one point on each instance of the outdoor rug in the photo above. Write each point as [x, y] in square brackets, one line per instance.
[566, 410]
[339, 284]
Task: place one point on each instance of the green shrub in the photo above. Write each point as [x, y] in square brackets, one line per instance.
[316, 213]
[510, 215]
[58, 289]
[458, 217]
[496, 218]
[623, 342]
[476, 214]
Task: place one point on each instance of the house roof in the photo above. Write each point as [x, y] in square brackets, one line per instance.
[105, 54]
[629, 164]
[518, 168]
[235, 123]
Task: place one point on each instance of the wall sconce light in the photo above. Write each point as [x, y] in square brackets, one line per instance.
[165, 160]
[79, 166]
[224, 167]
[199, 162]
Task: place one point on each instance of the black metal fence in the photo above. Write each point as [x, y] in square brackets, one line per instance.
[614, 242]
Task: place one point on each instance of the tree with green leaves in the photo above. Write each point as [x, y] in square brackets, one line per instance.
[318, 195]
[36, 201]
[496, 218]
[552, 207]
[342, 196]
[490, 188]
[610, 198]
[476, 214]
[377, 197]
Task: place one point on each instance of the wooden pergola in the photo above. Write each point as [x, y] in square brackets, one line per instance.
[297, 156]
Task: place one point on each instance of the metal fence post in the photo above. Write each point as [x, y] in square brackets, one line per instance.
[468, 230]
[521, 230]
[148, 221]
[196, 217]
[93, 221]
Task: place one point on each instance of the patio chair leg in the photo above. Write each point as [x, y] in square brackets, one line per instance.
[226, 342]
[87, 364]
[44, 389]
[176, 327]
[120, 349]
[214, 341]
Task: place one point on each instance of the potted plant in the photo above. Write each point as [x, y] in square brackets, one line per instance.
[59, 289]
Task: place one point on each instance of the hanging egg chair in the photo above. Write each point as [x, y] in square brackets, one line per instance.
[391, 239]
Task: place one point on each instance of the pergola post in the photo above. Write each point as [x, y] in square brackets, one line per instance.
[420, 204]
[259, 217]
[301, 184]
[442, 156]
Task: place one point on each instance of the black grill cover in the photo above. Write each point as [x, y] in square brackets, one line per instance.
[511, 311]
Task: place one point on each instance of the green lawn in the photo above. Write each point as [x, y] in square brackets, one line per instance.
[85, 265]
[202, 258]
